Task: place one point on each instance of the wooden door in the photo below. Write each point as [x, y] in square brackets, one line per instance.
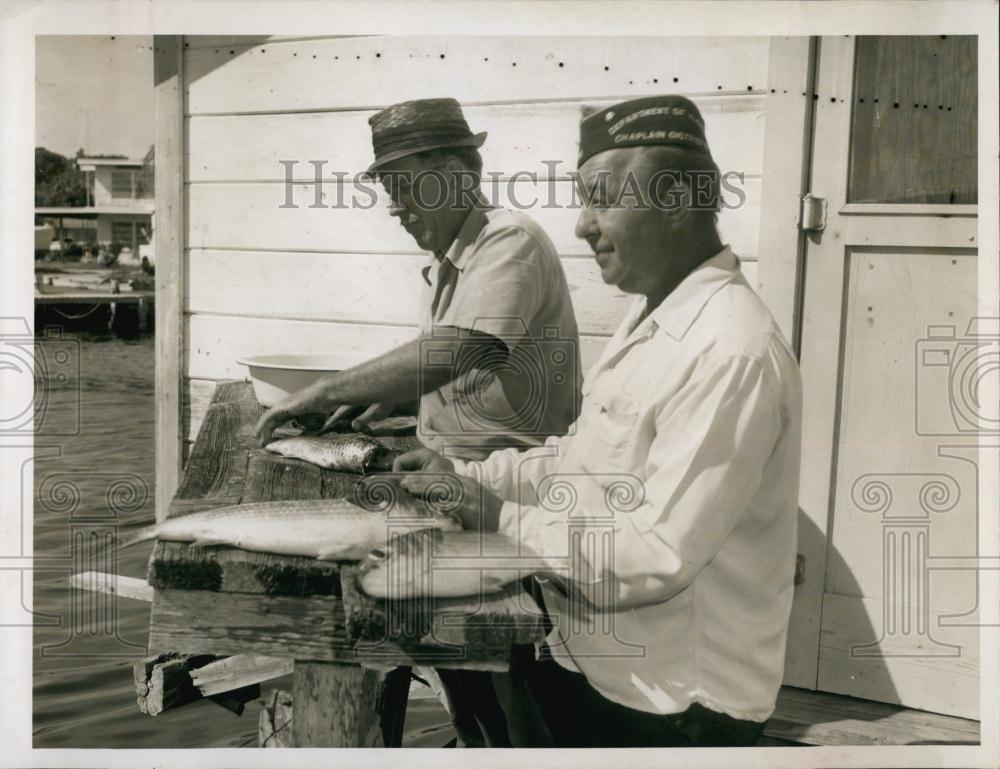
[889, 297]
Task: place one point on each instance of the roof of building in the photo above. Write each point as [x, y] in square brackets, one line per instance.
[87, 211]
[89, 164]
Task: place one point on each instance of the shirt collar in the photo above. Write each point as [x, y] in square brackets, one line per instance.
[459, 251]
[682, 306]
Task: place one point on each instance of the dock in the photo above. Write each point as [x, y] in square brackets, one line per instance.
[94, 301]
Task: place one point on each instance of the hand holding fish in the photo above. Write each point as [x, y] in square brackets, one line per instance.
[425, 460]
[311, 406]
[358, 417]
[468, 501]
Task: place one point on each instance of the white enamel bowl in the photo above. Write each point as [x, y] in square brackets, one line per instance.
[276, 376]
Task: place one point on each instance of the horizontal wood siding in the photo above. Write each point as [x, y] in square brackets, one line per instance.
[250, 216]
[534, 138]
[369, 72]
[263, 278]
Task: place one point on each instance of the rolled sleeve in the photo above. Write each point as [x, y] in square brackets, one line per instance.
[501, 286]
[713, 439]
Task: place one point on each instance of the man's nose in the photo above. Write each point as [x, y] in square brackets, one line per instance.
[396, 208]
[586, 225]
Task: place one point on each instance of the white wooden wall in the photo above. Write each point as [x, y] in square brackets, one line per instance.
[265, 279]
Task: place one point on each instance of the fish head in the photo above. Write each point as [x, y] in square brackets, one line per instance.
[402, 567]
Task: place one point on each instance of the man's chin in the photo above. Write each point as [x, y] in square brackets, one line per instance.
[614, 278]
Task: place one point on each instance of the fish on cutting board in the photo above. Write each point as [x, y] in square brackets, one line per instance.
[343, 453]
[327, 529]
[447, 564]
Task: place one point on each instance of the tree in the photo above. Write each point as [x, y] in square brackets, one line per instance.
[58, 181]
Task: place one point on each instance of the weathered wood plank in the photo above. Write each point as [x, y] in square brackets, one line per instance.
[271, 477]
[817, 718]
[178, 566]
[228, 673]
[342, 706]
[164, 682]
[275, 721]
[537, 137]
[201, 621]
[169, 239]
[280, 75]
[389, 698]
[279, 217]
[216, 468]
[387, 653]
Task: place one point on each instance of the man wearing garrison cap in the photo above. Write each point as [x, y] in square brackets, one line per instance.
[667, 518]
[496, 363]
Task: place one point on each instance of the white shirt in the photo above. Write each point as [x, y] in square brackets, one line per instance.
[673, 499]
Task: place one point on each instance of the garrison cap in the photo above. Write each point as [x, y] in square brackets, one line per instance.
[656, 120]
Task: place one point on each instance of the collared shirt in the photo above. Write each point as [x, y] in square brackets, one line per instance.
[672, 502]
[501, 276]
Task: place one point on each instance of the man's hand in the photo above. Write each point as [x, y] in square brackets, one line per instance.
[422, 460]
[359, 417]
[472, 504]
[310, 405]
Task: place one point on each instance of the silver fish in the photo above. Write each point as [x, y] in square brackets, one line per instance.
[344, 453]
[327, 529]
[446, 564]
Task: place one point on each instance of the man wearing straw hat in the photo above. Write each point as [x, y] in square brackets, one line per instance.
[496, 363]
[667, 519]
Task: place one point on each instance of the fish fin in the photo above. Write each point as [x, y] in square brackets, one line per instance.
[209, 543]
[139, 535]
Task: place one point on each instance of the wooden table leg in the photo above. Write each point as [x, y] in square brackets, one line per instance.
[335, 706]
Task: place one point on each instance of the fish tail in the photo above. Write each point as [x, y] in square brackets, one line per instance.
[138, 535]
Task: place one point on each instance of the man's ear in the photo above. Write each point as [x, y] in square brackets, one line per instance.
[680, 216]
[673, 197]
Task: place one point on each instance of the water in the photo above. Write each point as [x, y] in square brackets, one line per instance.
[85, 643]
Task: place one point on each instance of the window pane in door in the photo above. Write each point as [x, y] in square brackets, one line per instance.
[913, 132]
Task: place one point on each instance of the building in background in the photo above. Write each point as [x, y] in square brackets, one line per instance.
[119, 207]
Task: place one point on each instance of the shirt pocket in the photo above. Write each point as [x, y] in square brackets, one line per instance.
[610, 432]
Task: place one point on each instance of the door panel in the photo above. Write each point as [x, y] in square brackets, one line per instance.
[878, 494]
[897, 503]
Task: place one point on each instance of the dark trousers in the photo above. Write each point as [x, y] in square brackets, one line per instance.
[546, 705]
[539, 704]
[475, 710]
